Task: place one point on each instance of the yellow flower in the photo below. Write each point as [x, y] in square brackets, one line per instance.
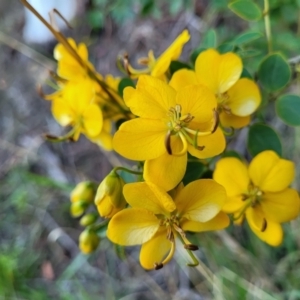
[237, 98]
[88, 241]
[158, 67]
[155, 220]
[68, 67]
[109, 198]
[170, 125]
[260, 192]
[75, 106]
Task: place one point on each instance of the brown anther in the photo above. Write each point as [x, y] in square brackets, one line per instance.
[143, 61]
[244, 197]
[40, 92]
[126, 63]
[264, 225]
[158, 266]
[216, 120]
[51, 137]
[188, 118]
[168, 142]
[201, 148]
[191, 247]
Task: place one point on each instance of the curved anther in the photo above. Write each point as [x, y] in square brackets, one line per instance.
[158, 266]
[168, 142]
[216, 121]
[184, 148]
[264, 225]
[191, 247]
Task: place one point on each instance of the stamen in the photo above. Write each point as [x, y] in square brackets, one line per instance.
[191, 247]
[185, 145]
[187, 118]
[264, 225]
[158, 266]
[216, 120]
[168, 142]
[170, 255]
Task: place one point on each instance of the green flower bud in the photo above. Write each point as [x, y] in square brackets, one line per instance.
[109, 198]
[78, 208]
[88, 241]
[88, 219]
[85, 191]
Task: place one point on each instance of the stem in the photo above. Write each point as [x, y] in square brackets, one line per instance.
[127, 170]
[268, 25]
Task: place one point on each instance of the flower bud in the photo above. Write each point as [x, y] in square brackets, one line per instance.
[109, 198]
[85, 191]
[88, 241]
[88, 219]
[78, 208]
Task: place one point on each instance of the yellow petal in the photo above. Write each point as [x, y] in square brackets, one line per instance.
[230, 120]
[92, 120]
[141, 139]
[231, 173]
[244, 97]
[172, 53]
[218, 71]
[166, 170]
[220, 221]
[214, 144]
[183, 78]
[62, 112]
[282, 206]
[152, 98]
[233, 204]
[132, 226]
[104, 139]
[273, 233]
[155, 250]
[198, 101]
[148, 196]
[271, 173]
[200, 200]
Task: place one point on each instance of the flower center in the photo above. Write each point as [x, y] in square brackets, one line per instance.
[173, 229]
[223, 106]
[178, 125]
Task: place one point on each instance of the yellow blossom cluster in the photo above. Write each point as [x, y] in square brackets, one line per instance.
[167, 120]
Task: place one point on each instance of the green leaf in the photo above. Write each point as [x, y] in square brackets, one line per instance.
[194, 171]
[246, 9]
[288, 109]
[226, 47]
[274, 72]
[249, 53]
[96, 18]
[209, 39]
[247, 37]
[177, 65]
[246, 74]
[125, 82]
[262, 137]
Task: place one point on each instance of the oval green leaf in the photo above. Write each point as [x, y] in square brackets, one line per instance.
[210, 39]
[288, 109]
[262, 137]
[274, 72]
[246, 9]
[247, 37]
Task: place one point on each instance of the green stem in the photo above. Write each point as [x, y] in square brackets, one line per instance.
[96, 227]
[126, 170]
[268, 25]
